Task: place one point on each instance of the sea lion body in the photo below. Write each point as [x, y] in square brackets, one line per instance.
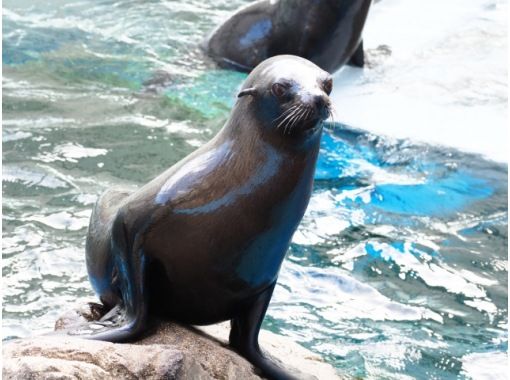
[204, 241]
[208, 241]
[326, 32]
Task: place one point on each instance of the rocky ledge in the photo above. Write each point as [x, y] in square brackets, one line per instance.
[170, 351]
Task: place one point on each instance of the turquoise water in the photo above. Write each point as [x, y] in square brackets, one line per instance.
[398, 270]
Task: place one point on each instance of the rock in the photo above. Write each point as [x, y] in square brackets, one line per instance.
[88, 312]
[169, 351]
[58, 357]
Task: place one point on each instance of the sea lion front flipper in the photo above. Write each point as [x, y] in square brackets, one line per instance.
[244, 337]
[358, 57]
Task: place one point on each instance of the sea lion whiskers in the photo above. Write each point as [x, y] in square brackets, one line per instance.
[309, 111]
[306, 112]
[285, 113]
[332, 114]
[306, 115]
[297, 117]
[290, 123]
[288, 120]
[293, 109]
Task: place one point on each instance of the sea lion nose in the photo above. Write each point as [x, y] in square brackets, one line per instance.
[319, 102]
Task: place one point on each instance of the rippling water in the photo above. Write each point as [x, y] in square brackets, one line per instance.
[399, 269]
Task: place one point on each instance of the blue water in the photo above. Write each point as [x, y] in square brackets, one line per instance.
[398, 270]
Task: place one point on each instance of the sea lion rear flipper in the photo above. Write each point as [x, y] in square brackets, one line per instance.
[358, 57]
[128, 319]
[244, 334]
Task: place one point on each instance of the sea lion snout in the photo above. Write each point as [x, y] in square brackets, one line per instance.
[319, 102]
[322, 106]
[311, 104]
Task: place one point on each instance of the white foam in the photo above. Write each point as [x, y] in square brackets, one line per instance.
[445, 81]
[485, 366]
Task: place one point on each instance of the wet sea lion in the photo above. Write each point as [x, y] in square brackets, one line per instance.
[204, 241]
[326, 32]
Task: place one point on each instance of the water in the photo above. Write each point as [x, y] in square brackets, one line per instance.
[399, 268]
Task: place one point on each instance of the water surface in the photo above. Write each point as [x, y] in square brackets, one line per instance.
[399, 268]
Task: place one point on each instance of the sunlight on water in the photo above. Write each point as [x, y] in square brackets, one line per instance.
[399, 268]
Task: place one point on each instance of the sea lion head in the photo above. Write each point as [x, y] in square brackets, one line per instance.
[290, 95]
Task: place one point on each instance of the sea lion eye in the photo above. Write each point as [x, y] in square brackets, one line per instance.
[327, 85]
[278, 90]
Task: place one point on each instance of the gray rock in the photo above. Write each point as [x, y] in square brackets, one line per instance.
[58, 357]
[170, 351]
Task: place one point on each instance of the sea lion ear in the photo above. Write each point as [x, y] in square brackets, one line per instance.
[247, 91]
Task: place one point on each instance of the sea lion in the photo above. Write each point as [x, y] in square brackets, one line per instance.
[326, 32]
[204, 241]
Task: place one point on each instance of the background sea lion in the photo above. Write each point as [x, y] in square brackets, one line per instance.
[204, 241]
[327, 32]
